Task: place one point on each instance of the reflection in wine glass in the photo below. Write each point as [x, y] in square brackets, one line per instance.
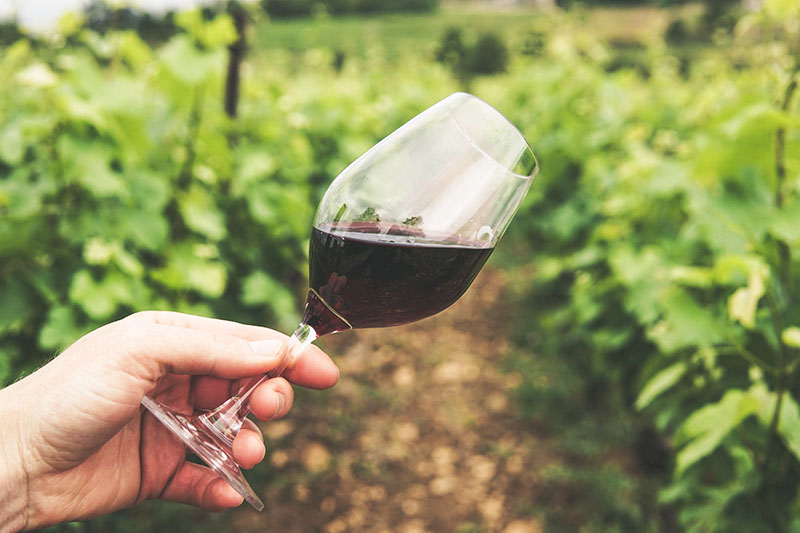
[399, 235]
[332, 290]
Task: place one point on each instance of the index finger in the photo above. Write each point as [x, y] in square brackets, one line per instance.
[313, 368]
[214, 325]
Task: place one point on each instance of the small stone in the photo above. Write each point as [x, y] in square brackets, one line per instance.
[396, 450]
[497, 402]
[455, 372]
[410, 507]
[443, 485]
[359, 496]
[491, 509]
[514, 465]
[336, 526]
[301, 493]
[315, 457]
[412, 526]
[355, 519]
[524, 526]
[404, 376]
[327, 505]
[444, 455]
[482, 469]
[376, 493]
[407, 432]
[279, 458]
[423, 468]
[277, 430]
[418, 492]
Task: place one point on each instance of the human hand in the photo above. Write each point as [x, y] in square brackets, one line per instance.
[75, 442]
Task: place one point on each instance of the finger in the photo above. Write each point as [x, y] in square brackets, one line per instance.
[313, 369]
[187, 351]
[197, 485]
[248, 446]
[208, 392]
[212, 325]
[272, 399]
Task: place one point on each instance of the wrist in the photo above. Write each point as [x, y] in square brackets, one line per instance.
[13, 477]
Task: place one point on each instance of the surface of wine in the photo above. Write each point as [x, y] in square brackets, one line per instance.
[368, 274]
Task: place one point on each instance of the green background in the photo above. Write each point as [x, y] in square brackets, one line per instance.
[654, 265]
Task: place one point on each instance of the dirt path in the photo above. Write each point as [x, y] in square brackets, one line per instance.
[419, 435]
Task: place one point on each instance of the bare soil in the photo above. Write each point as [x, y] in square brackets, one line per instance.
[420, 434]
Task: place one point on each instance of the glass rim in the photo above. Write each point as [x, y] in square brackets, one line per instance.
[528, 148]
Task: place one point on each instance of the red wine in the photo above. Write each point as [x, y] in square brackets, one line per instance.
[368, 274]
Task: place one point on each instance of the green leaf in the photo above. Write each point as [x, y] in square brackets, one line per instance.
[791, 336]
[60, 328]
[785, 223]
[255, 166]
[340, 213]
[190, 267]
[743, 303]
[260, 288]
[37, 75]
[201, 213]
[89, 163]
[134, 50]
[284, 211]
[97, 252]
[781, 10]
[188, 64]
[692, 276]
[789, 419]
[369, 215]
[789, 424]
[145, 228]
[660, 383]
[705, 429]
[413, 221]
[685, 323]
[16, 308]
[645, 273]
[7, 355]
[91, 296]
[207, 277]
[11, 144]
[219, 31]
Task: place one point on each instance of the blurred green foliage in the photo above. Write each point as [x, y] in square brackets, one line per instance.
[295, 8]
[657, 256]
[666, 234]
[125, 186]
[487, 55]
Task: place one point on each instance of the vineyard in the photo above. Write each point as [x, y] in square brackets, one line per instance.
[644, 311]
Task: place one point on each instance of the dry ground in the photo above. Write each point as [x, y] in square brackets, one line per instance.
[419, 435]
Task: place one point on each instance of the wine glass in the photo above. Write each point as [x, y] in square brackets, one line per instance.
[399, 235]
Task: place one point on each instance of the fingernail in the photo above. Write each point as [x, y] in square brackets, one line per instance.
[279, 406]
[267, 348]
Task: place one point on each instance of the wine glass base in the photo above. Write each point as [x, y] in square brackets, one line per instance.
[216, 454]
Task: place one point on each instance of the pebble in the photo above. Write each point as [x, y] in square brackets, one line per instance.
[315, 457]
[524, 526]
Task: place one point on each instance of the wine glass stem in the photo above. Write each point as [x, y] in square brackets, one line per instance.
[226, 420]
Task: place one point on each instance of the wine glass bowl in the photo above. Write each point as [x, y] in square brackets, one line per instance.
[401, 232]
[399, 235]
[458, 170]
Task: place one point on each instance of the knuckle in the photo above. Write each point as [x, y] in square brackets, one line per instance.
[140, 318]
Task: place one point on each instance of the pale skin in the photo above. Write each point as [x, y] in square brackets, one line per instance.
[75, 442]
